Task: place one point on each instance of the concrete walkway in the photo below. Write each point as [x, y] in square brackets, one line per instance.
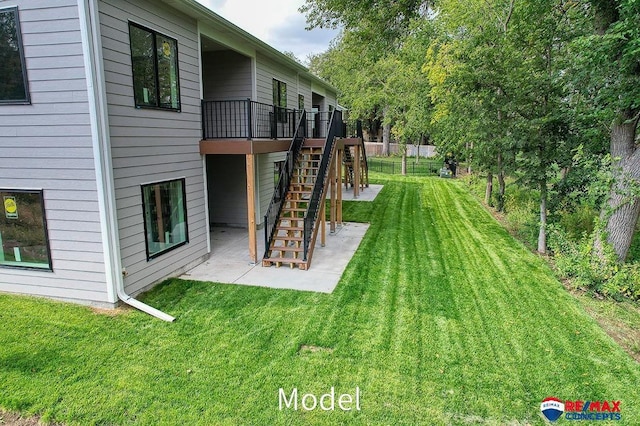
[369, 194]
[229, 261]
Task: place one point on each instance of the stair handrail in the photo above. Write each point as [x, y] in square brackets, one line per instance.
[318, 188]
[280, 191]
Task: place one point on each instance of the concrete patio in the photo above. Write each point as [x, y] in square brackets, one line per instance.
[229, 261]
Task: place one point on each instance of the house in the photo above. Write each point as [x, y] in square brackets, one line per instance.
[128, 129]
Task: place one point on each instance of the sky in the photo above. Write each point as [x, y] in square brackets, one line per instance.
[276, 22]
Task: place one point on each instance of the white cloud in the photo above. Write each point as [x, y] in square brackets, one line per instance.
[276, 22]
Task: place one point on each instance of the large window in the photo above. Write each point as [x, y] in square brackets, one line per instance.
[23, 230]
[154, 58]
[280, 100]
[165, 216]
[300, 102]
[13, 72]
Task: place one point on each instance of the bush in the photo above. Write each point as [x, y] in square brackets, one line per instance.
[579, 222]
[521, 208]
[601, 274]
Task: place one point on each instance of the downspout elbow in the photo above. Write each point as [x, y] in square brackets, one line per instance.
[142, 306]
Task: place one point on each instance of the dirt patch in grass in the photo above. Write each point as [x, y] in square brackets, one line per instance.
[314, 349]
[14, 419]
[113, 312]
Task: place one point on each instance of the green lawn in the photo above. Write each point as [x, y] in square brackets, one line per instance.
[440, 318]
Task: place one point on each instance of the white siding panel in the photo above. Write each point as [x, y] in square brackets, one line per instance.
[47, 145]
[152, 145]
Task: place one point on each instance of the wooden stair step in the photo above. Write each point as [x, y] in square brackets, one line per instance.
[283, 260]
[289, 228]
[287, 249]
[287, 238]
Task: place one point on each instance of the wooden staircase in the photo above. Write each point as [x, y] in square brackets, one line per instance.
[350, 170]
[287, 245]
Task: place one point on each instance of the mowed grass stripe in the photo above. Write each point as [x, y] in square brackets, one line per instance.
[512, 313]
[440, 318]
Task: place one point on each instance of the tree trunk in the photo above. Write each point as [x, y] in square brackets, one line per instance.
[489, 189]
[542, 234]
[386, 138]
[469, 150]
[404, 162]
[502, 186]
[622, 209]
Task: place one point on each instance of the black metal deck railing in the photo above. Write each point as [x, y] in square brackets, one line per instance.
[280, 192]
[335, 129]
[246, 119]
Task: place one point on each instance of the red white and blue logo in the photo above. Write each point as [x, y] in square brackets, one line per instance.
[552, 408]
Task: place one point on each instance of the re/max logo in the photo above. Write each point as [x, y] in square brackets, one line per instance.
[592, 410]
[592, 406]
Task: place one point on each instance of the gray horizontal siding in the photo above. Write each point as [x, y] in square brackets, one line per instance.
[227, 186]
[226, 75]
[304, 88]
[266, 71]
[152, 145]
[47, 145]
[266, 181]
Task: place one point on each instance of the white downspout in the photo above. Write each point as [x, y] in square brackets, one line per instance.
[89, 27]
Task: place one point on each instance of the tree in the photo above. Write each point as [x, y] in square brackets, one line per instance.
[470, 69]
[609, 61]
[373, 33]
[360, 75]
[497, 79]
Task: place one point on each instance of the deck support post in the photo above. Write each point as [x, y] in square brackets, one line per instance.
[251, 208]
[339, 196]
[356, 172]
[334, 175]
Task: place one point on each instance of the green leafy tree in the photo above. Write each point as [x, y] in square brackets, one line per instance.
[373, 33]
[608, 70]
[470, 69]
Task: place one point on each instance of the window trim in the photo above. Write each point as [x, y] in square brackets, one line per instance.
[150, 257]
[155, 68]
[23, 62]
[45, 229]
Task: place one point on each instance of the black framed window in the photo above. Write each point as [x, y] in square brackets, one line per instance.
[300, 102]
[154, 60]
[164, 208]
[24, 241]
[280, 100]
[13, 71]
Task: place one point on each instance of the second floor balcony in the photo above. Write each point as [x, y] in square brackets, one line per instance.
[250, 120]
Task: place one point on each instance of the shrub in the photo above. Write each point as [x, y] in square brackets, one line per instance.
[521, 208]
[579, 222]
[600, 273]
